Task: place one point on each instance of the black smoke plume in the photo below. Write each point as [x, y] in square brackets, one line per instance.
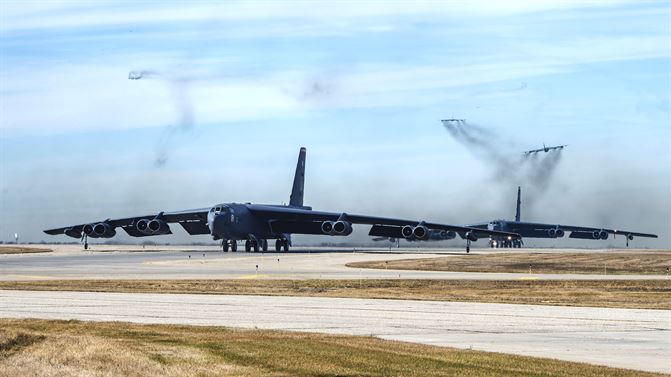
[179, 87]
[534, 172]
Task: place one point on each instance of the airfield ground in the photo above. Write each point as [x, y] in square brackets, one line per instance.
[578, 316]
[23, 250]
[638, 294]
[46, 348]
[640, 262]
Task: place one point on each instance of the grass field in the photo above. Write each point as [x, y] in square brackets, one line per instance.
[73, 348]
[644, 294]
[653, 263]
[22, 250]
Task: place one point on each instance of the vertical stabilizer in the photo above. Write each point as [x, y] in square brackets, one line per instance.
[519, 202]
[296, 198]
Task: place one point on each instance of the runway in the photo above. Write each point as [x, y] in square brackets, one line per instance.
[626, 338]
[182, 262]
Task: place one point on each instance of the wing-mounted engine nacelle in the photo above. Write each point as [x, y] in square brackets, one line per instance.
[446, 235]
[342, 228]
[556, 233]
[407, 231]
[152, 227]
[102, 230]
[600, 235]
[337, 228]
[470, 236]
[420, 232]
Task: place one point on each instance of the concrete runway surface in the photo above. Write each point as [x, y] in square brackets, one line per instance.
[626, 338]
[189, 262]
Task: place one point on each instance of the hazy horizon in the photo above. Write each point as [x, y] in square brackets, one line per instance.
[223, 95]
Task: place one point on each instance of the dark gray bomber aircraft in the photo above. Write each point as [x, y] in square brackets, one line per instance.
[540, 230]
[257, 223]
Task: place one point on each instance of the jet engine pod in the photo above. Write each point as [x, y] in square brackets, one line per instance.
[103, 230]
[596, 234]
[559, 233]
[470, 236]
[157, 226]
[421, 232]
[88, 229]
[142, 225]
[342, 228]
[630, 237]
[552, 233]
[407, 231]
[450, 235]
[603, 235]
[327, 227]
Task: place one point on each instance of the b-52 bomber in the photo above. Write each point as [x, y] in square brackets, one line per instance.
[434, 235]
[255, 224]
[545, 149]
[541, 230]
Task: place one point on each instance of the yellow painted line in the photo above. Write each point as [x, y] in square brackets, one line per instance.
[30, 276]
[253, 276]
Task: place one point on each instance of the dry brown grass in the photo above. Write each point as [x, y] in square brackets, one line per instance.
[73, 348]
[22, 250]
[643, 294]
[653, 263]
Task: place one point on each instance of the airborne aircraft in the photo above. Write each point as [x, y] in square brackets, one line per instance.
[257, 223]
[545, 149]
[540, 230]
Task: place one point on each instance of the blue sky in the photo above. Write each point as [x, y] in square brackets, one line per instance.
[363, 85]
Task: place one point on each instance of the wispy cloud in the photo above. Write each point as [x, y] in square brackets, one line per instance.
[360, 83]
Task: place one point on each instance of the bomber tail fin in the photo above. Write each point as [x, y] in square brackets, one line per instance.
[519, 202]
[296, 199]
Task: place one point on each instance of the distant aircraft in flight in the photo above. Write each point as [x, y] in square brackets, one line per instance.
[257, 223]
[541, 230]
[545, 149]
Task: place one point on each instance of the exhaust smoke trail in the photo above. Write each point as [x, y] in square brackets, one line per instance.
[533, 172]
[183, 107]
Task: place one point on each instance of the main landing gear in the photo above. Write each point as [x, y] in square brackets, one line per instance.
[255, 245]
[250, 245]
[233, 244]
[282, 243]
[496, 244]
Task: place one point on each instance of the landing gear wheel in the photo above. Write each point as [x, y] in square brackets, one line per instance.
[86, 245]
[278, 245]
[224, 245]
[234, 245]
[285, 243]
[248, 246]
[255, 246]
[264, 246]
